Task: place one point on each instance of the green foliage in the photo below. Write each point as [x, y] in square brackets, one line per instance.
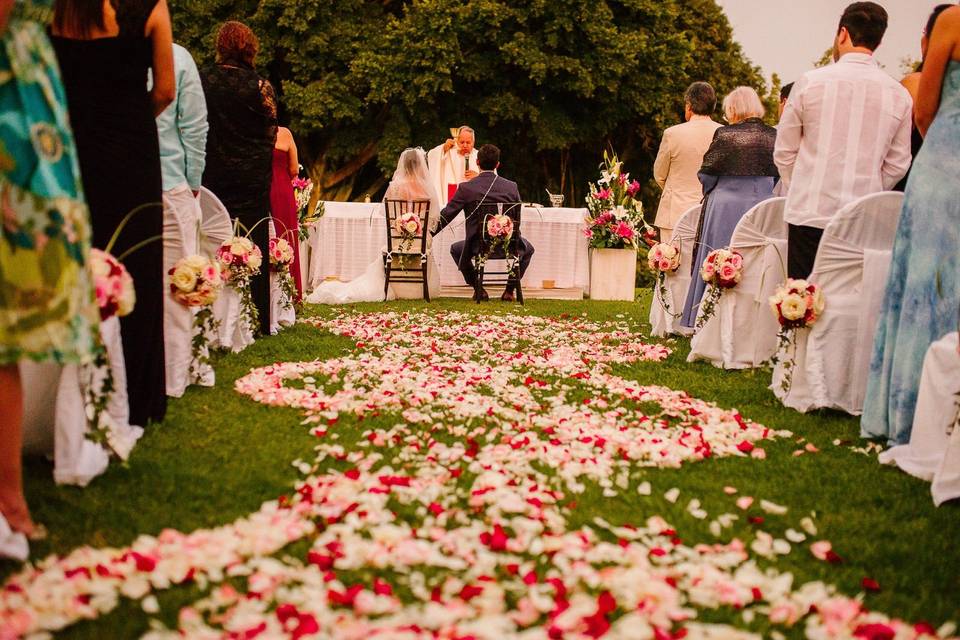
[771, 101]
[552, 83]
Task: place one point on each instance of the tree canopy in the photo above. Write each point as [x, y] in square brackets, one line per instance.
[552, 83]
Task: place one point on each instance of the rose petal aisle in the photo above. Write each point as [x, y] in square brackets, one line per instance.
[453, 513]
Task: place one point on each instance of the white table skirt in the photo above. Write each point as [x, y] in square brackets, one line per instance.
[351, 235]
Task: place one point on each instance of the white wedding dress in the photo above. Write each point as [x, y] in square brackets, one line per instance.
[411, 181]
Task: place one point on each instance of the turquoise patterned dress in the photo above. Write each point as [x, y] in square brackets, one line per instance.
[47, 309]
[923, 291]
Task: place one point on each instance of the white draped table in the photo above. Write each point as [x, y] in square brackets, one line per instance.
[351, 235]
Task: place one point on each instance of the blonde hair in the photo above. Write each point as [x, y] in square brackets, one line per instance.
[742, 103]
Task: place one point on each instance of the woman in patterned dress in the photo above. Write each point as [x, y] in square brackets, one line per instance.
[47, 312]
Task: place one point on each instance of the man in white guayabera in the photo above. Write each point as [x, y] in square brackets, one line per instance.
[453, 162]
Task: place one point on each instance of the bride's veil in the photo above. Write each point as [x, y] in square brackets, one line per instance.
[412, 180]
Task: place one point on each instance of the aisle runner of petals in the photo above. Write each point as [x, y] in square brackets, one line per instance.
[453, 522]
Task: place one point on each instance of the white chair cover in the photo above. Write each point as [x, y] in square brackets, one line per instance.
[663, 323]
[742, 332]
[832, 359]
[216, 227]
[934, 450]
[280, 315]
[55, 417]
[181, 227]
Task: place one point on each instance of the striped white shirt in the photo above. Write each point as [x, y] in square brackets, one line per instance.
[845, 133]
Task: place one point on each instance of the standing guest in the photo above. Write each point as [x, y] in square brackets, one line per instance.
[182, 128]
[680, 156]
[283, 203]
[784, 97]
[105, 54]
[242, 111]
[912, 84]
[845, 133]
[46, 299]
[449, 167]
[737, 173]
[780, 189]
[920, 305]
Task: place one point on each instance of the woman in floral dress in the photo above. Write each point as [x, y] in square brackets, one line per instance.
[47, 311]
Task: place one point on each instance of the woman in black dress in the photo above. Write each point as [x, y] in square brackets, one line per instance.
[105, 50]
[242, 113]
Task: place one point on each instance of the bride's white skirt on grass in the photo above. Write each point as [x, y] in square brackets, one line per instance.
[369, 287]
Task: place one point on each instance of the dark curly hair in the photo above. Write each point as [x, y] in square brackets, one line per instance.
[236, 42]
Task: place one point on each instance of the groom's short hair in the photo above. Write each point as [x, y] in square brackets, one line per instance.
[866, 22]
[488, 157]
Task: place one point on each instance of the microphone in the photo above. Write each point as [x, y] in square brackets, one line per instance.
[466, 163]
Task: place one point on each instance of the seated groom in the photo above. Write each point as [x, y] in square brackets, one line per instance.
[486, 188]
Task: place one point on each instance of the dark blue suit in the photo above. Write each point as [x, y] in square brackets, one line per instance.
[487, 187]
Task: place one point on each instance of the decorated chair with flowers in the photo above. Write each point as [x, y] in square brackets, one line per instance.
[668, 296]
[829, 363]
[215, 229]
[283, 290]
[407, 255]
[741, 332]
[499, 240]
[80, 413]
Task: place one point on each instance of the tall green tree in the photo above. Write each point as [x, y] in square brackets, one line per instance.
[553, 83]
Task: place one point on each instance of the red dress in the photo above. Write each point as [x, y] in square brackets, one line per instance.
[283, 207]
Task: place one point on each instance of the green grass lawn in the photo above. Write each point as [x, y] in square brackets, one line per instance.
[219, 455]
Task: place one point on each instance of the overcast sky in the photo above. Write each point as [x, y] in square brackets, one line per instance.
[787, 36]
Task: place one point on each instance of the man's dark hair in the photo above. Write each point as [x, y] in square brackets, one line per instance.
[488, 157]
[785, 91]
[866, 22]
[701, 97]
[932, 22]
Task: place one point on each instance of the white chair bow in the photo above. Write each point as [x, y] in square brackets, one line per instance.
[216, 228]
[742, 332]
[832, 359]
[662, 322]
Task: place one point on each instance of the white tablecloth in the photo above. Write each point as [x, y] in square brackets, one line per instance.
[351, 235]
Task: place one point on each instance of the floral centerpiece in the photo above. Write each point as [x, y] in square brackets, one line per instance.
[797, 304]
[663, 259]
[113, 285]
[195, 281]
[721, 270]
[281, 257]
[615, 229]
[616, 219]
[302, 190]
[240, 260]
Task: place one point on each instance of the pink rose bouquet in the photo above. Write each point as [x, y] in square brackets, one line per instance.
[281, 254]
[663, 257]
[195, 281]
[500, 226]
[722, 268]
[240, 258]
[797, 304]
[113, 285]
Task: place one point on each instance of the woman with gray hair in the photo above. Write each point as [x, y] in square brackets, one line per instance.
[737, 173]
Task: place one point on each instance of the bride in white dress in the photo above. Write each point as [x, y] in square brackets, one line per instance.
[411, 181]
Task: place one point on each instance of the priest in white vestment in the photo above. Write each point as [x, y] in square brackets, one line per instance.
[453, 162]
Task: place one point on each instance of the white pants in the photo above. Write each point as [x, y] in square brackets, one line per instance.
[181, 220]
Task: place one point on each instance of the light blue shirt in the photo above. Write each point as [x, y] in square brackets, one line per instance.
[182, 127]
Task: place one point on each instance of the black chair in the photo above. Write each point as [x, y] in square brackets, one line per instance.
[496, 249]
[405, 259]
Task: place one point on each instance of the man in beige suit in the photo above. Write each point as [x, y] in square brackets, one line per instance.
[680, 156]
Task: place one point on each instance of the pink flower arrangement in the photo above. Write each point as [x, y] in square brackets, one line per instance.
[616, 215]
[722, 268]
[195, 281]
[408, 225]
[240, 258]
[500, 226]
[797, 304]
[281, 254]
[663, 258]
[113, 285]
